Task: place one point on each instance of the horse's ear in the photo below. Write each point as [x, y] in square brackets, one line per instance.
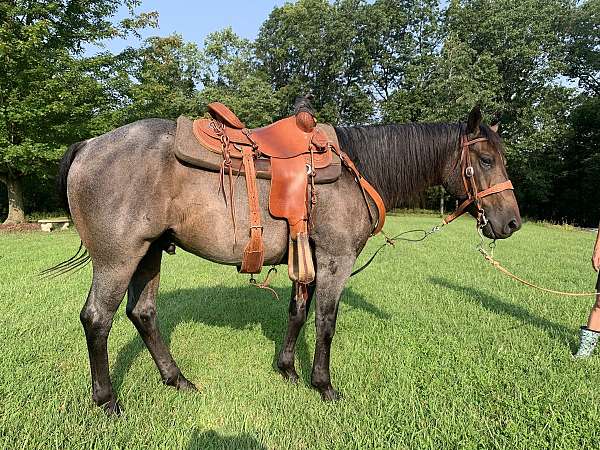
[474, 121]
[495, 127]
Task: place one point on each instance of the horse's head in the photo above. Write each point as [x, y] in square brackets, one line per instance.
[480, 175]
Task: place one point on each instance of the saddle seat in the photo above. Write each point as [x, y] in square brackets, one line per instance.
[282, 139]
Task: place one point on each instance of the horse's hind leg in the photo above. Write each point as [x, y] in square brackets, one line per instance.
[109, 284]
[141, 310]
[297, 314]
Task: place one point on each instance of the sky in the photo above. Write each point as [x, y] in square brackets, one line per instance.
[194, 20]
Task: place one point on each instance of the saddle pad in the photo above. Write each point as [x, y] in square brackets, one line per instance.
[189, 150]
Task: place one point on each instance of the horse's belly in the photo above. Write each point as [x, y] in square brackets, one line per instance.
[204, 226]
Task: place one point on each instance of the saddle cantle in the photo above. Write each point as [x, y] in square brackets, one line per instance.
[294, 153]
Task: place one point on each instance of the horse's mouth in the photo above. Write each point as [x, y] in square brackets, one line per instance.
[490, 232]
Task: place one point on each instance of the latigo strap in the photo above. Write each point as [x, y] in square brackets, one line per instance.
[366, 188]
[253, 257]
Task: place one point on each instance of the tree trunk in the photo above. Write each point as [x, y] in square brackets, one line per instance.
[16, 210]
[442, 202]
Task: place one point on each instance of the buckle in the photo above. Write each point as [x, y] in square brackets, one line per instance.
[469, 172]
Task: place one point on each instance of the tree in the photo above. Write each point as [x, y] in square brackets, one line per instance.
[231, 75]
[47, 95]
[403, 43]
[575, 190]
[163, 75]
[314, 46]
[583, 46]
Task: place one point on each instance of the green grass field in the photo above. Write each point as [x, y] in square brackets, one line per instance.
[434, 349]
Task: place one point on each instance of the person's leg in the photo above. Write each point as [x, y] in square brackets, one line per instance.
[594, 319]
[588, 335]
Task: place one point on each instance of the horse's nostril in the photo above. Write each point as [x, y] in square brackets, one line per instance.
[514, 225]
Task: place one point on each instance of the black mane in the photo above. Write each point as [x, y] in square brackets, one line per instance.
[402, 160]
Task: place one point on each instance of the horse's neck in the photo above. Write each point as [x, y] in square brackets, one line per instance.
[401, 161]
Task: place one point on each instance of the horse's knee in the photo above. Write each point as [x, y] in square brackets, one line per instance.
[326, 328]
[298, 314]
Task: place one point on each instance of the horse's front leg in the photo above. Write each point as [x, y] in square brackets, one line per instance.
[297, 315]
[332, 273]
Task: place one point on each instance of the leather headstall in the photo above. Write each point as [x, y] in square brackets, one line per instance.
[470, 185]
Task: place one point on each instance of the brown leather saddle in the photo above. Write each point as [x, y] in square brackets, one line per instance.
[294, 153]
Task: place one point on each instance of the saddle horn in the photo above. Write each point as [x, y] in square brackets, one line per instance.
[305, 113]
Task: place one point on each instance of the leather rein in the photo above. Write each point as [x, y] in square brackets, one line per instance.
[470, 185]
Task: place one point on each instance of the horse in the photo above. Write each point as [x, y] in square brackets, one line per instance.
[130, 199]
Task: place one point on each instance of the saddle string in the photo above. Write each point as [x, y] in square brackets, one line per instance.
[219, 128]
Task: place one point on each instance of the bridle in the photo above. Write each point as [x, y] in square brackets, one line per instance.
[473, 196]
[468, 178]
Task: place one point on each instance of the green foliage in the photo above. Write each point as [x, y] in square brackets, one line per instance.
[47, 96]
[404, 37]
[583, 46]
[232, 76]
[575, 187]
[165, 73]
[311, 46]
[364, 61]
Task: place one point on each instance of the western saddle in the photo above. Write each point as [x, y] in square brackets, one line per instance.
[294, 153]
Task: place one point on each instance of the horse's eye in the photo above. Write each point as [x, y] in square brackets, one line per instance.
[486, 161]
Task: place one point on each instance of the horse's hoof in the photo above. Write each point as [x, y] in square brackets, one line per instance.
[112, 408]
[186, 385]
[290, 375]
[181, 383]
[330, 395]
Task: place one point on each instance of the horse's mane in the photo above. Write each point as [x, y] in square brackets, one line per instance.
[402, 160]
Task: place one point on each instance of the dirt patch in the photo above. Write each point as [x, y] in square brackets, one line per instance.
[19, 227]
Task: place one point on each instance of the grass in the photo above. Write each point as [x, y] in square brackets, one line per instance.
[433, 350]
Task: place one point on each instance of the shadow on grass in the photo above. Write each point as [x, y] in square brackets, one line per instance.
[212, 440]
[498, 306]
[237, 308]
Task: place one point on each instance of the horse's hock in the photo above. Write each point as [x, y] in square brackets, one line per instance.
[61, 223]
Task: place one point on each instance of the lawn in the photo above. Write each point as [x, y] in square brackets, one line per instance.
[433, 349]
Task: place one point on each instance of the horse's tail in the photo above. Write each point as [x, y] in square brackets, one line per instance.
[63, 173]
[81, 257]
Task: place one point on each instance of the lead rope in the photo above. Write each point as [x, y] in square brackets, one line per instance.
[489, 257]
